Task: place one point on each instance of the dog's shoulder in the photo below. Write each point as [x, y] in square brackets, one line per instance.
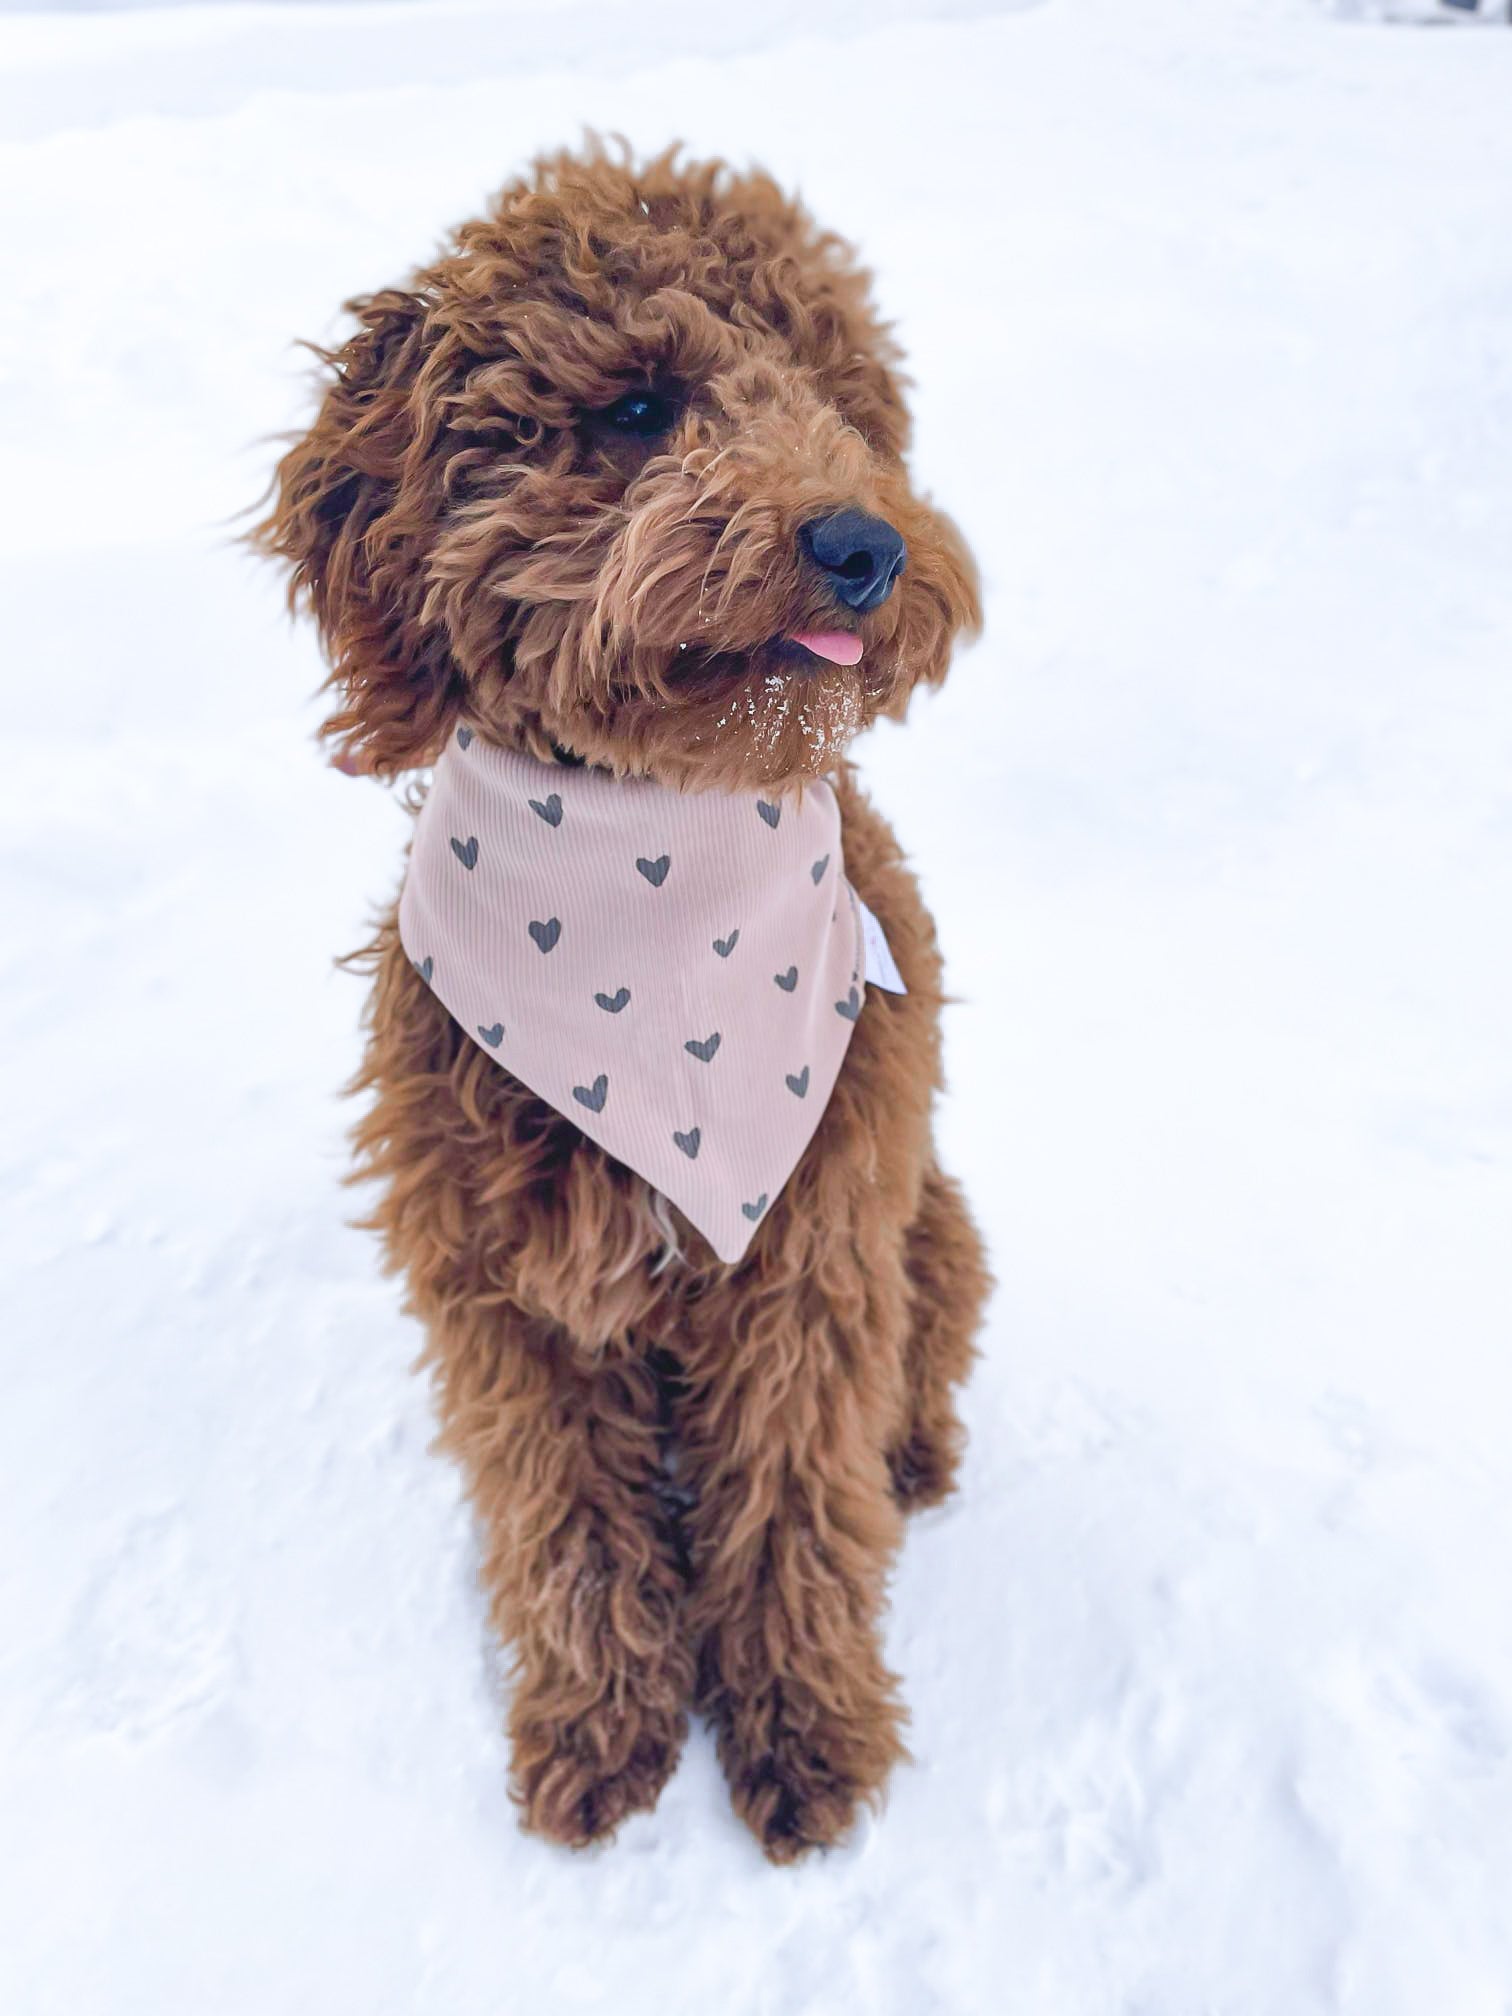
[878, 871]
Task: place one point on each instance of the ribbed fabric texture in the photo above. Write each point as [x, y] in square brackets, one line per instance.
[678, 973]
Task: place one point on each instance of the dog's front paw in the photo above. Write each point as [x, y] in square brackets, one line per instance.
[577, 1779]
[805, 1788]
[793, 1804]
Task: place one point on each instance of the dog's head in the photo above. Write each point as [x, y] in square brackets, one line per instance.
[621, 475]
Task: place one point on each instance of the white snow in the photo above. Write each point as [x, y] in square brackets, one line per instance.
[1211, 1659]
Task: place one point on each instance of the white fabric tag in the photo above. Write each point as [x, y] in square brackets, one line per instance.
[881, 968]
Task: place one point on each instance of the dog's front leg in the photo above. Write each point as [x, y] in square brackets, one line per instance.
[793, 1526]
[562, 1449]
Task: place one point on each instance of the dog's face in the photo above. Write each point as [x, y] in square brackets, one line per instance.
[622, 476]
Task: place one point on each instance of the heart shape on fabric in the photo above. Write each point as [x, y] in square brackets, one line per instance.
[593, 1096]
[492, 1037]
[787, 981]
[703, 1051]
[754, 1211]
[817, 871]
[655, 872]
[689, 1142]
[771, 813]
[798, 1084]
[612, 1003]
[550, 811]
[464, 736]
[725, 946]
[424, 967]
[850, 1007]
[466, 853]
[547, 934]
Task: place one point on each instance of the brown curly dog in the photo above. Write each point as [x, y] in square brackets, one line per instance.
[563, 486]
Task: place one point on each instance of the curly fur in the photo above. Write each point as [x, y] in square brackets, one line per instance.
[689, 1476]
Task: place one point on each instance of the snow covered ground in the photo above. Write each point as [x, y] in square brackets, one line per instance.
[1211, 1660]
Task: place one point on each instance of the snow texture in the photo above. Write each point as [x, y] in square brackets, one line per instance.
[1211, 1659]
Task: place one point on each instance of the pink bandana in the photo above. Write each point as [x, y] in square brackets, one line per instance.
[677, 973]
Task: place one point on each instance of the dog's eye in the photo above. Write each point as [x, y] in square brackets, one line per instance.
[642, 413]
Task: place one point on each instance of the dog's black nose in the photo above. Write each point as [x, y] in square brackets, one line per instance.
[859, 557]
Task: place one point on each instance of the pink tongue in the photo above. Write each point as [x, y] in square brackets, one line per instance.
[841, 647]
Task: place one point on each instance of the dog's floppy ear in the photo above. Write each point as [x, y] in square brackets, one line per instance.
[353, 502]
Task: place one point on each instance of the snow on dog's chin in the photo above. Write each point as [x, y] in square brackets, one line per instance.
[797, 723]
